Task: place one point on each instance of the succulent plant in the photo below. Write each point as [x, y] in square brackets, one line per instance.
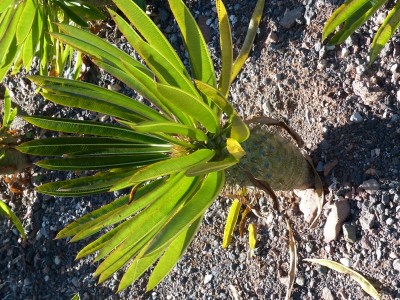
[173, 155]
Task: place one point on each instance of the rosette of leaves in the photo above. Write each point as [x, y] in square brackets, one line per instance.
[172, 155]
[24, 28]
[354, 13]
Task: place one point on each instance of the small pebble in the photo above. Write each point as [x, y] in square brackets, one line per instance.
[356, 117]
[300, 280]
[396, 265]
[57, 260]
[346, 262]
[349, 233]
[207, 278]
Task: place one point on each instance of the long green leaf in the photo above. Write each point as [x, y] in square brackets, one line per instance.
[169, 166]
[226, 48]
[99, 183]
[4, 4]
[6, 19]
[341, 14]
[149, 31]
[66, 145]
[8, 42]
[92, 128]
[193, 210]
[92, 97]
[144, 197]
[139, 81]
[94, 46]
[215, 96]
[200, 60]
[124, 258]
[26, 21]
[7, 212]
[99, 215]
[198, 110]
[137, 268]
[143, 223]
[170, 127]
[164, 70]
[172, 255]
[385, 32]
[100, 162]
[249, 39]
[354, 21]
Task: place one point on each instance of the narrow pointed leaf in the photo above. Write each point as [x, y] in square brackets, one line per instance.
[190, 105]
[231, 223]
[65, 145]
[138, 81]
[7, 212]
[171, 166]
[145, 196]
[341, 14]
[226, 48]
[215, 96]
[144, 222]
[137, 268]
[364, 283]
[149, 30]
[92, 97]
[249, 39]
[92, 128]
[200, 60]
[354, 21]
[100, 162]
[193, 209]
[26, 21]
[95, 46]
[97, 216]
[385, 32]
[99, 183]
[173, 253]
[171, 128]
[165, 71]
[140, 264]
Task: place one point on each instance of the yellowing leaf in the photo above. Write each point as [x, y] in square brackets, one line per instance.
[252, 236]
[293, 261]
[231, 222]
[365, 284]
[234, 148]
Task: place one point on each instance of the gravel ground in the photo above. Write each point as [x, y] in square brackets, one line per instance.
[345, 110]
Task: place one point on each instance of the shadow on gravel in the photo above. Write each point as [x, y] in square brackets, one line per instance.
[352, 159]
[360, 151]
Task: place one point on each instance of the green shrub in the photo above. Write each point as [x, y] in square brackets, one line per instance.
[172, 156]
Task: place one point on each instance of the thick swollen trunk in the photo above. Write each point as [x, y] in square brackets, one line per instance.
[273, 159]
